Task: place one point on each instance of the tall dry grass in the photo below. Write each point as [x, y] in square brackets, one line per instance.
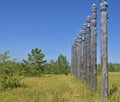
[60, 88]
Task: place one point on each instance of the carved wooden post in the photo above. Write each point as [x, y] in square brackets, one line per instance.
[75, 58]
[80, 59]
[78, 55]
[104, 49]
[84, 53]
[88, 53]
[72, 59]
[94, 48]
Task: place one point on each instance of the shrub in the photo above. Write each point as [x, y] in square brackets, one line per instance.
[8, 82]
[8, 72]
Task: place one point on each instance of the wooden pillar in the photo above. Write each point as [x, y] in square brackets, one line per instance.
[72, 59]
[84, 53]
[78, 42]
[94, 48]
[77, 57]
[104, 49]
[88, 53]
[80, 52]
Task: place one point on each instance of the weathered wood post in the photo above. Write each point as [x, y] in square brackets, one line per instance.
[80, 60]
[94, 48]
[88, 52]
[72, 59]
[104, 49]
[78, 41]
[84, 53]
[77, 57]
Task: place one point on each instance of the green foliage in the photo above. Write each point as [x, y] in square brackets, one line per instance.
[4, 56]
[30, 70]
[8, 73]
[8, 82]
[116, 67]
[34, 65]
[112, 67]
[36, 57]
[59, 66]
[63, 64]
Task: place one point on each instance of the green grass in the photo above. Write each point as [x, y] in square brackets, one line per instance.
[60, 88]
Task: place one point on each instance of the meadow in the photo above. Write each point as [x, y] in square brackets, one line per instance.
[60, 88]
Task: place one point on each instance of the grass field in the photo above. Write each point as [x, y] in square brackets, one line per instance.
[60, 88]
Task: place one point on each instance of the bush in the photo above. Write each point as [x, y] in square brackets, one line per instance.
[59, 66]
[8, 72]
[9, 76]
[8, 82]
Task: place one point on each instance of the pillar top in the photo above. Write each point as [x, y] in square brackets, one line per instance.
[102, 0]
[103, 5]
[94, 8]
[88, 19]
[94, 4]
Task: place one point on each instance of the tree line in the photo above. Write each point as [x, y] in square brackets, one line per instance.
[112, 67]
[35, 65]
[11, 72]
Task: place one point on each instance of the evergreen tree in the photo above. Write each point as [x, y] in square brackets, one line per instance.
[34, 65]
[63, 64]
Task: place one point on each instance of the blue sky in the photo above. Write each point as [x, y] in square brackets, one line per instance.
[52, 26]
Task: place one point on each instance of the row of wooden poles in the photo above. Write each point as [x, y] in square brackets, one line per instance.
[84, 51]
